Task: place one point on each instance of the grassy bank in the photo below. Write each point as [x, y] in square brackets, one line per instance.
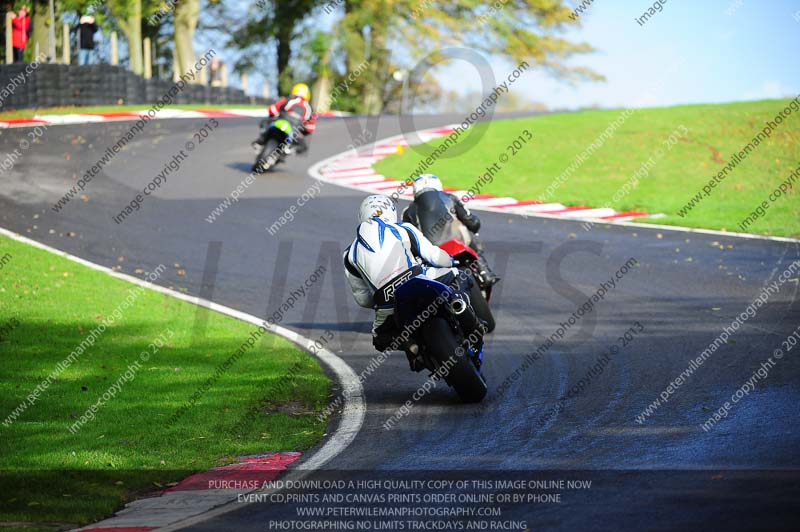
[53, 472]
[706, 136]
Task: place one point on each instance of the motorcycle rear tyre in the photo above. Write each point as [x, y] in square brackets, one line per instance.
[463, 376]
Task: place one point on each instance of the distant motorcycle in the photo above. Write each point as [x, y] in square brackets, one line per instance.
[449, 344]
[279, 143]
[481, 291]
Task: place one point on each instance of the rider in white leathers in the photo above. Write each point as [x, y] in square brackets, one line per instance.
[385, 251]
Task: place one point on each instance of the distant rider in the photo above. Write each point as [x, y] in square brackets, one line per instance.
[382, 252]
[295, 108]
[442, 217]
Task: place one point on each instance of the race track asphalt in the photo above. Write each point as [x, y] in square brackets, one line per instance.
[664, 473]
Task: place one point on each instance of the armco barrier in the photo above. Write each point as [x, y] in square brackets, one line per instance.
[52, 85]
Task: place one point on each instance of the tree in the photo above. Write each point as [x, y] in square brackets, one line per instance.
[269, 22]
[128, 15]
[40, 24]
[6, 6]
[517, 29]
[313, 65]
[455, 101]
[187, 13]
[158, 26]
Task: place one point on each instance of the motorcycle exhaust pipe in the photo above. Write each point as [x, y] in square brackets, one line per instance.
[464, 314]
[458, 306]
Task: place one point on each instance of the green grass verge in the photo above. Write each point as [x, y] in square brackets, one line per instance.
[48, 306]
[715, 133]
[30, 113]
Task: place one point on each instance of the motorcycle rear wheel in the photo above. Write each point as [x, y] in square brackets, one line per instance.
[462, 375]
[481, 307]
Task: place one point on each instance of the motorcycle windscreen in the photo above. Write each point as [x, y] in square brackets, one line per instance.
[434, 210]
[417, 295]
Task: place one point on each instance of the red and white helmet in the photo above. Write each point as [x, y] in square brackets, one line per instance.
[377, 206]
[426, 182]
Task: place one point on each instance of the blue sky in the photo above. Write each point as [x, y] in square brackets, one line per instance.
[690, 52]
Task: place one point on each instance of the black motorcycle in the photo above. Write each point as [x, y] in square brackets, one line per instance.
[279, 140]
[481, 290]
[435, 220]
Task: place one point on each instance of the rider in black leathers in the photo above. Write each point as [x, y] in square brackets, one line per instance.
[442, 217]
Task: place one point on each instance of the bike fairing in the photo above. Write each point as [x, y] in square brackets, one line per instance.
[368, 271]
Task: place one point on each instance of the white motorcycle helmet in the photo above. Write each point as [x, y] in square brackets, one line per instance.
[377, 206]
[426, 182]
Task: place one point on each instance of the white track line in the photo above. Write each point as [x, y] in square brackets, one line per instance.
[526, 211]
[354, 408]
[678, 228]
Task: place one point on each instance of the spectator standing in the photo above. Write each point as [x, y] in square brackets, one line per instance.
[86, 29]
[20, 33]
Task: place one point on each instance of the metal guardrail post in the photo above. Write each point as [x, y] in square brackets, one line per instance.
[114, 49]
[9, 45]
[65, 50]
[148, 65]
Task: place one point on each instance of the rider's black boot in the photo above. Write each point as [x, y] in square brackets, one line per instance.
[483, 264]
[486, 271]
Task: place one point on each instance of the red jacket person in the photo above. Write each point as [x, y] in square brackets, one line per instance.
[20, 33]
[297, 109]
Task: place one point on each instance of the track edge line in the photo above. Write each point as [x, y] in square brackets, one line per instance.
[352, 417]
